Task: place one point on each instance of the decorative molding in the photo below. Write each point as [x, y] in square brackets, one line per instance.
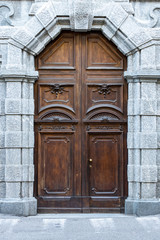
[96, 192]
[104, 117]
[55, 117]
[154, 18]
[81, 14]
[56, 89]
[142, 75]
[104, 89]
[6, 11]
[49, 22]
[64, 192]
[20, 76]
[57, 128]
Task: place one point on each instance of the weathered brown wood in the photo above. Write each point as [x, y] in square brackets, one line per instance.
[80, 125]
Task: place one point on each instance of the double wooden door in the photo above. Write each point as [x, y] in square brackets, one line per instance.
[80, 125]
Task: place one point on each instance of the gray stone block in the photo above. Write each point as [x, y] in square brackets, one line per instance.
[148, 174]
[158, 190]
[12, 106]
[148, 191]
[34, 26]
[25, 90]
[2, 107]
[117, 15]
[148, 123]
[148, 156]
[2, 123]
[133, 140]
[148, 140]
[135, 189]
[2, 139]
[25, 106]
[148, 53]
[27, 173]
[129, 26]
[148, 107]
[142, 208]
[46, 15]
[134, 156]
[2, 173]
[25, 189]
[14, 52]
[2, 89]
[22, 36]
[20, 207]
[13, 156]
[13, 122]
[158, 107]
[134, 173]
[13, 139]
[108, 29]
[13, 190]
[148, 90]
[2, 156]
[158, 141]
[31, 106]
[13, 173]
[2, 189]
[140, 37]
[31, 88]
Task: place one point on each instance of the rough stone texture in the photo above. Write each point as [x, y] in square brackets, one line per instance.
[16, 145]
[25, 30]
[20, 207]
[142, 208]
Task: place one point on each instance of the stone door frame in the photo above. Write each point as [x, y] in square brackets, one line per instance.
[117, 24]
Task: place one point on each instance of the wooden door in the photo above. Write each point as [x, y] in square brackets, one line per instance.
[80, 125]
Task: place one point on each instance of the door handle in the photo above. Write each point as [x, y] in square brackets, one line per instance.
[90, 163]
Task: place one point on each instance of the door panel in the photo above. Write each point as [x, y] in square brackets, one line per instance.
[100, 55]
[104, 159]
[56, 165]
[80, 114]
[59, 54]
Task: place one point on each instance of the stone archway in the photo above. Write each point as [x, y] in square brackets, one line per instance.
[19, 73]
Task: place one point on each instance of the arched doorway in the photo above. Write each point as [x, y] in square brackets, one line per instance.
[80, 125]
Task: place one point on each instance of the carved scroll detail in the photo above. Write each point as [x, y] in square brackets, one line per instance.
[104, 117]
[154, 15]
[56, 89]
[56, 117]
[6, 11]
[104, 89]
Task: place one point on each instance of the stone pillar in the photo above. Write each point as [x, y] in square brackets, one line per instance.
[142, 145]
[17, 143]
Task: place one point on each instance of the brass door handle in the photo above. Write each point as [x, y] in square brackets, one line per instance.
[90, 163]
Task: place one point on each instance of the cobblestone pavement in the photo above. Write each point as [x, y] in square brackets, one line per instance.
[80, 227]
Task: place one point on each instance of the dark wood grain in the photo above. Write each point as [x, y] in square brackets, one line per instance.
[80, 125]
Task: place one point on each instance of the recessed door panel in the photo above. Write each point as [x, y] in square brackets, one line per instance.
[104, 156]
[56, 163]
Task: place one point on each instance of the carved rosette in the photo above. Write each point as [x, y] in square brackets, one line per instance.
[104, 89]
[57, 89]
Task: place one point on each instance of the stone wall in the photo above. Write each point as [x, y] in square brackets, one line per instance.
[26, 27]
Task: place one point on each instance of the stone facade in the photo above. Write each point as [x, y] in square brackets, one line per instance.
[26, 27]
